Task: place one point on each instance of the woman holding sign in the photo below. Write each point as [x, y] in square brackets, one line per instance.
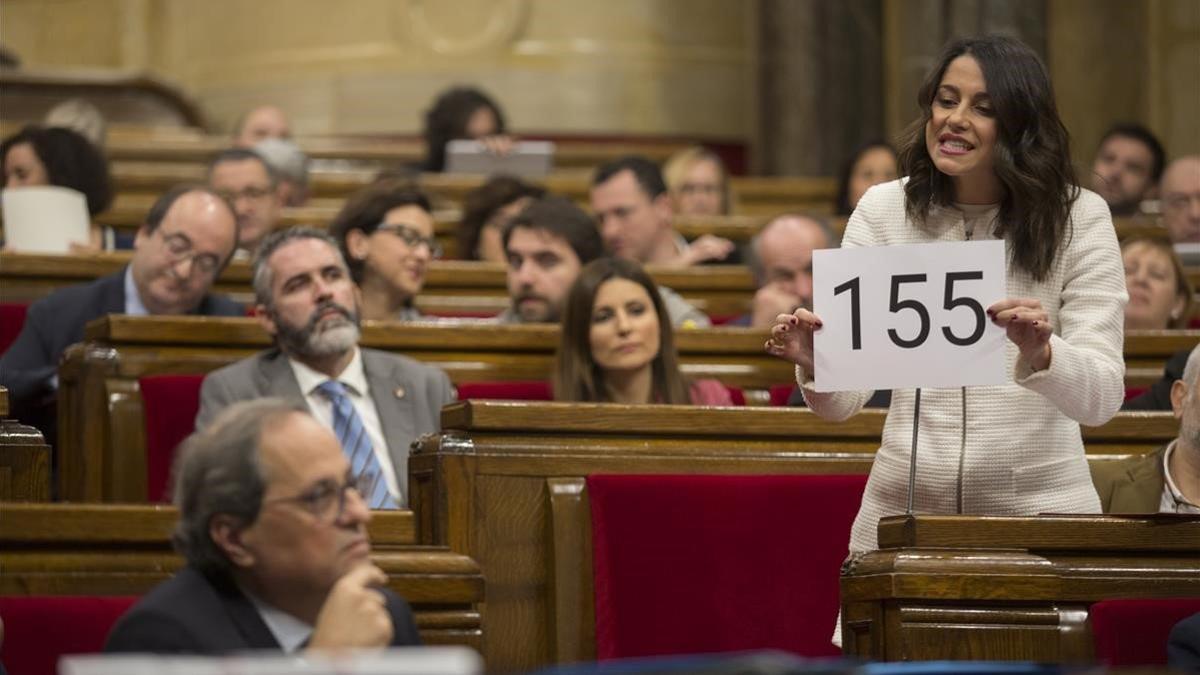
[989, 159]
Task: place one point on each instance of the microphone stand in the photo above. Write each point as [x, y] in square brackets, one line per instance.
[912, 463]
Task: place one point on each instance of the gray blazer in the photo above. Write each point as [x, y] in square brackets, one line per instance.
[408, 395]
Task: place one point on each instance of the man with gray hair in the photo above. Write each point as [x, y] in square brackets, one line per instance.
[377, 403]
[272, 524]
[1168, 479]
[251, 185]
[781, 259]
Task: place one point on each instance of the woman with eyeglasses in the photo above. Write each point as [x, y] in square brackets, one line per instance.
[386, 235]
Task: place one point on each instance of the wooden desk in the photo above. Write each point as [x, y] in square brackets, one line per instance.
[81, 549]
[101, 425]
[451, 286]
[504, 483]
[999, 589]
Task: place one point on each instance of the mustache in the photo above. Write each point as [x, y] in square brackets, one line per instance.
[315, 319]
[529, 296]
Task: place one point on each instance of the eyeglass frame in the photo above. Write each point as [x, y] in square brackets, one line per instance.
[310, 499]
[412, 237]
[251, 192]
[208, 263]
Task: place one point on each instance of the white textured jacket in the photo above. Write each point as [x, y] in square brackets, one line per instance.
[1013, 449]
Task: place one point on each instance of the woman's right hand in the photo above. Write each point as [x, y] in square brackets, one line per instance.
[792, 338]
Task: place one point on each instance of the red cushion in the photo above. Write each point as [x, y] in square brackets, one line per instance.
[12, 319]
[537, 390]
[39, 629]
[736, 395]
[1134, 392]
[687, 564]
[170, 403]
[780, 393]
[1134, 632]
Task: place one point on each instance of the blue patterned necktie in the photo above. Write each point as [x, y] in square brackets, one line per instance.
[350, 432]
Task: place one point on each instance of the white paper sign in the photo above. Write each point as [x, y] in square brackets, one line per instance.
[44, 219]
[906, 316]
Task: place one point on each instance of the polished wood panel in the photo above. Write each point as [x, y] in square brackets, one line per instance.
[1003, 588]
[504, 483]
[79, 549]
[122, 96]
[24, 459]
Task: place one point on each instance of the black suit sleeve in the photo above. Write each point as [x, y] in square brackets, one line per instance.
[404, 626]
[150, 632]
[1183, 646]
[1158, 397]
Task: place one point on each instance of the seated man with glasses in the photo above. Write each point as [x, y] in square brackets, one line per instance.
[251, 185]
[386, 234]
[1168, 479]
[273, 528]
[1181, 200]
[376, 402]
[188, 237]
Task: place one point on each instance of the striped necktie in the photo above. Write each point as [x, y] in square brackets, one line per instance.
[350, 432]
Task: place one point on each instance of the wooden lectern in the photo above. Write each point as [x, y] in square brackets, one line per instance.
[1007, 588]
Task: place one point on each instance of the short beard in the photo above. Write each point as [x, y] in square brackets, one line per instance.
[312, 340]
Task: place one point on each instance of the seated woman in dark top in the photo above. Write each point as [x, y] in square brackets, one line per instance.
[486, 210]
[462, 113]
[617, 344]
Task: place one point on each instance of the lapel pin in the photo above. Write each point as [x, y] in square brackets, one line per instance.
[399, 392]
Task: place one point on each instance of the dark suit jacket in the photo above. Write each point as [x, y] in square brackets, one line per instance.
[1183, 646]
[193, 614]
[1158, 396]
[408, 395]
[53, 324]
[1131, 485]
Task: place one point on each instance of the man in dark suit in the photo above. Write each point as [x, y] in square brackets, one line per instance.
[273, 528]
[377, 403]
[188, 237]
[1183, 645]
[1168, 479]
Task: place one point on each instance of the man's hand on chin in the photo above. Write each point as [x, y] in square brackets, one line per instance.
[355, 613]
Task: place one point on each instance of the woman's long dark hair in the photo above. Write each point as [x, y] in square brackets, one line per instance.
[841, 203]
[71, 161]
[447, 120]
[1032, 157]
[577, 376]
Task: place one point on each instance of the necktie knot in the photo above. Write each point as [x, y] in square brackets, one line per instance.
[332, 389]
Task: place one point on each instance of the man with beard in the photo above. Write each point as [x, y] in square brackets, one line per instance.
[1167, 480]
[376, 403]
[547, 244]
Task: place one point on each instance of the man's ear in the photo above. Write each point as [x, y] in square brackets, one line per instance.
[1179, 392]
[226, 532]
[263, 315]
[143, 235]
[664, 210]
[356, 244]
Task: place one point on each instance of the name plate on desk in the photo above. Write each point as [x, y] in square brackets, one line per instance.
[905, 316]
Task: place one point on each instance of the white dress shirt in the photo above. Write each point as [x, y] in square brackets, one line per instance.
[289, 631]
[354, 379]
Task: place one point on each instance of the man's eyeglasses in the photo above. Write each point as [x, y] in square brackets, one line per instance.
[412, 237]
[179, 248]
[326, 501]
[1179, 202]
[253, 193]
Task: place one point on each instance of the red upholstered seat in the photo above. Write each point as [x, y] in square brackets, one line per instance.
[12, 319]
[780, 393]
[687, 564]
[535, 390]
[39, 629]
[1133, 632]
[170, 403]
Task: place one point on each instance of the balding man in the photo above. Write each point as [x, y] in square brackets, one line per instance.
[781, 259]
[265, 121]
[1181, 199]
[188, 237]
[1167, 480]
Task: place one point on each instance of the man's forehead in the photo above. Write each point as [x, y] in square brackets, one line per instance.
[531, 240]
[297, 450]
[1127, 145]
[303, 255]
[622, 185]
[239, 170]
[197, 211]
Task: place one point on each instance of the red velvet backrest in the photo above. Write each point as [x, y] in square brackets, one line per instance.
[780, 393]
[12, 320]
[1133, 632]
[170, 403]
[39, 629]
[688, 564]
[535, 390]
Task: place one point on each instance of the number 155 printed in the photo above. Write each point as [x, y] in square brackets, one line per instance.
[908, 316]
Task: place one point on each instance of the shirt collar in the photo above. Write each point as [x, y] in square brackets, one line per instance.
[1169, 483]
[133, 301]
[289, 631]
[354, 376]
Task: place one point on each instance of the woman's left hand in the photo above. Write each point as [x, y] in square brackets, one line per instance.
[1028, 326]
